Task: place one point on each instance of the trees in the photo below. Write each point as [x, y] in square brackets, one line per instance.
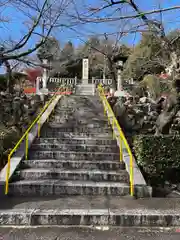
[130, 19]
[146, 58]
[67, 52]
[40, 18]
[49, 50]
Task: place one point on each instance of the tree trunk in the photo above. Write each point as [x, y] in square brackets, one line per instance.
[9, 76]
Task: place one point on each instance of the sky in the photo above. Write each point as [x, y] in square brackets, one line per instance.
[15, 28]
[170, 19]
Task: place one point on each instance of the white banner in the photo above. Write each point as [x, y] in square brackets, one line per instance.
[66, 81]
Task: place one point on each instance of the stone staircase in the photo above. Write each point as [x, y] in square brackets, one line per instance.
[85, 89]
[75, 155]
[73, 177]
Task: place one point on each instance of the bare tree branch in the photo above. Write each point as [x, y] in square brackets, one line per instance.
[25, 38]
[5, 55]
[98, 20]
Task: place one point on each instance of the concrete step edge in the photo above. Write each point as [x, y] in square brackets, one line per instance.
[104, 134]
[73, 164]
[69, 183]
[78, 138]
[77, 171]
[75, 145]
[73, 152]
[90, 217]
[75, 161]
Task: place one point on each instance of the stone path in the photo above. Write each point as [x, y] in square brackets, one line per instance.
[55, 233]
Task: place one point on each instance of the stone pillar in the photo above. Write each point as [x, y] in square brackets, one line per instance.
[131, 81]
[75, 80]
[93, 80]
[45, 75]
[119, 78]
[85, 71]
[37, 84]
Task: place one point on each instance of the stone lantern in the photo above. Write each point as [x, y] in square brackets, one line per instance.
[119, 60]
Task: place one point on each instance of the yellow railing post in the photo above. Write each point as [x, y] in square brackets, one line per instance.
[7, 175]
[113, 128]
[26, 147]
[104, 111]
[120, 148]
[131, 176]
[39, 128]
[109, 122]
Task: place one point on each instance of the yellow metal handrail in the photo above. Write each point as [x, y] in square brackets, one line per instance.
[122, 139]
[25, 136]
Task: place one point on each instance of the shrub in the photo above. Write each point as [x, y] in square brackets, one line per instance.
[158, 157]
[155, 85]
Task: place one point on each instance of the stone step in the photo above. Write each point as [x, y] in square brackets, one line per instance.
[63, 109]
[59, 187]
[83, 111]
[80, 109]
[84, 93]
[75, 174]
[51, 133]
[57, 121]
[75, 125]
[73, 211]
[72, 155]
[55, 129]
[80, 140]
[76, 148]
[70, 164]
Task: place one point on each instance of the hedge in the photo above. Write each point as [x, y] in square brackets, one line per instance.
[158, 157]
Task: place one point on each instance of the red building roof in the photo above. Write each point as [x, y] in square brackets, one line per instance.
[33, 73]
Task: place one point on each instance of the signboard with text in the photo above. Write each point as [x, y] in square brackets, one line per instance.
[85, 70]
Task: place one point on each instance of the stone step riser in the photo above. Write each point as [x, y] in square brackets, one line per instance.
[86, 217]
[72, 165]
[77, 130]
[72, 156]
[83, 108]
[60, 109]
[75, 141]
[53, 122]
[51, 134]
[77, 123]
[98, 114]
[121, 177]
[59, 190]
[76, 126]
[76, 148]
